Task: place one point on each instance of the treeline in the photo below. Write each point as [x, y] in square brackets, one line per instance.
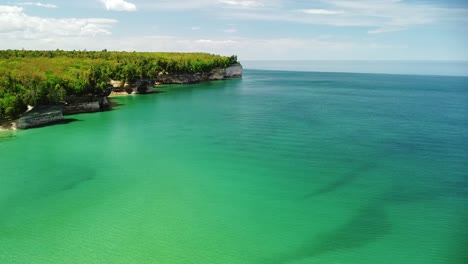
[29, 77]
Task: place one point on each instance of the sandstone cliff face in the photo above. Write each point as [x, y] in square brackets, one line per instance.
[40, 116]
[146, 85]
[216, 74]
[76, 105]
[141, 86]
[85, 107]
[167, 78]
[234, 71]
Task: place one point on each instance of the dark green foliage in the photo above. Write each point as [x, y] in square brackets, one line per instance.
[45, 77]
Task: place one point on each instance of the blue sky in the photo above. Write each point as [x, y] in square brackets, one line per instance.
[251, 29]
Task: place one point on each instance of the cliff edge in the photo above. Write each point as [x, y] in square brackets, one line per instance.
[146, 85]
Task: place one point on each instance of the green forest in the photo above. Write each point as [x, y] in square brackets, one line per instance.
[46, 77]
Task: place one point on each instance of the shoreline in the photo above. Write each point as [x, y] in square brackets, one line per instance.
[8, 126]
[44, 115]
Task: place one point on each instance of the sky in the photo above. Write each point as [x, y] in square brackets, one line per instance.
[250, 29]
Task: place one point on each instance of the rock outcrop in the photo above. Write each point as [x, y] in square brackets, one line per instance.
[44, 115]
[233, 71]
[86, 104]
[141, 86]
[39, 116]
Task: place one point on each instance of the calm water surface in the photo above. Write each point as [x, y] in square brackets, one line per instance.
[279, 167]
[415, 67]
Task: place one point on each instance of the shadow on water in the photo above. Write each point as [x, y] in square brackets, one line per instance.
[7, 135]
[369, 224]
[155, 92]
[58, 179]
[61, 122]
[410, 145]
[460, 255]
[455, 187]
[113, 104]
[343, 180]
[68, 180]
[76, 182]
[38, 198]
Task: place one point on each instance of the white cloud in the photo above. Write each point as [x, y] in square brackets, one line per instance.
[179, 5]
[321, 11]
[395, 15]
[386, 46]
[318, 48]
[245, 48]
[38, 4]
[384, 30]
[374, 16]
[16, 25]
[243, 3]
[119, 5]
[214, 42]
[18, 29]
[230, 30]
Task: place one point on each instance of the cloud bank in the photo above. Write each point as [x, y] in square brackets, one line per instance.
[119, 5]
[38, 4]
[17, 25]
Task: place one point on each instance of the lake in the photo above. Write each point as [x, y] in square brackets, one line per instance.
[277, 167]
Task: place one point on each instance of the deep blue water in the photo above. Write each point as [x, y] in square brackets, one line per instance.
[449, 68]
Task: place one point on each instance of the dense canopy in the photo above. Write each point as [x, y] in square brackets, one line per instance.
[46, 77]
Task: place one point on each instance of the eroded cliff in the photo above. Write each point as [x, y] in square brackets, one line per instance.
[146, 85]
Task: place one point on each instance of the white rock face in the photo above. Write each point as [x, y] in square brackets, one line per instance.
[233, 71]
[217, 74]
[115, 83]
[83, 107]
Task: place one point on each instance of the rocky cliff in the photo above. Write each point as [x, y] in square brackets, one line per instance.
[85, 104]
[233, 71]
[146, 85]
[43, 115]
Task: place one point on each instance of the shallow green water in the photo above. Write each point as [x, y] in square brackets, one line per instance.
[279, 167]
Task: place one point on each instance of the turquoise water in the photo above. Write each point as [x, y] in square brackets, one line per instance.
[279, 167]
